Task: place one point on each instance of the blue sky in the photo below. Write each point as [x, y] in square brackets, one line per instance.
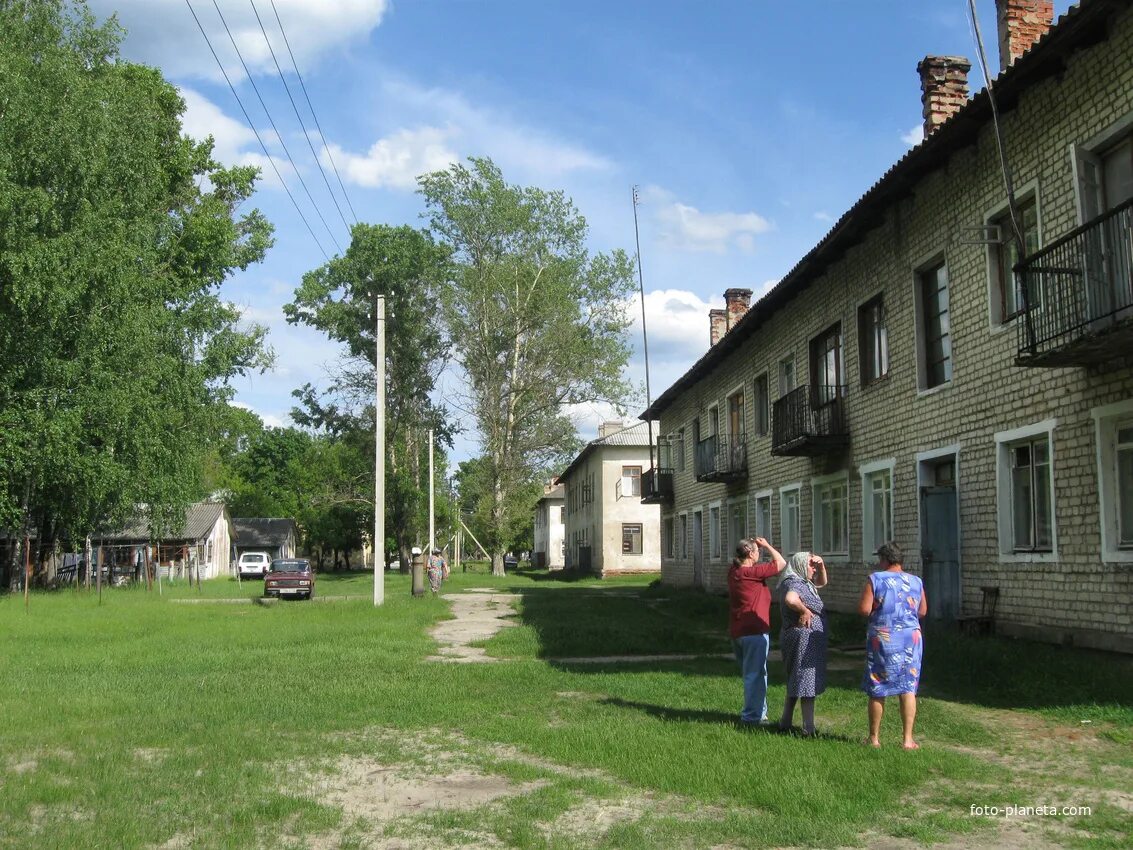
[750, 127]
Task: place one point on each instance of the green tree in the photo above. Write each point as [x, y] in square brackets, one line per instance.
[535, 321]
[116, 232]
[339, 298]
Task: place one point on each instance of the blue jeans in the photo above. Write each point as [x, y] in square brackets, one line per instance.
[751, 652]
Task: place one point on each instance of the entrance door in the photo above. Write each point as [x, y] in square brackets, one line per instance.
[940, 554]
[697, 550]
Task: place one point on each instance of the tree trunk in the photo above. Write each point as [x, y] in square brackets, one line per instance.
[404, 556]
[346, 559]
[498, 519]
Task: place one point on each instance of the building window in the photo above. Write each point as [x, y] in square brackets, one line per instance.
[786, 375]
[714, 530]
[681, 449]
[762, 407]
[826, 365]
[1114, 431]
[631, 538]
[831, 500]
[790, 536]
[631, 481]
[1025, 485]
[736, 427]
[763, 516]
[737, 524]
[667, 536]
[682, 536]
[877, 507]
[1005, 254]
[1105, 173]
[873, 339]
[935, 326]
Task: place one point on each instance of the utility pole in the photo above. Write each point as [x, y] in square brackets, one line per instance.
[432, 529]
[380, 450]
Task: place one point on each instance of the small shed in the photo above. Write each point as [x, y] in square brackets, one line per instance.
[199, 549]
[279, 537]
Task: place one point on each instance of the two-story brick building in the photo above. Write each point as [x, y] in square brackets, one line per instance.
[910, 379]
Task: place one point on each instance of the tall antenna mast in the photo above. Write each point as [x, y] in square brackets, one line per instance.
[644, 330]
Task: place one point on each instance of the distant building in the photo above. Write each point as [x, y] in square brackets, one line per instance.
[608, 529]
[200, 548]
[550, 531]
[279, 537]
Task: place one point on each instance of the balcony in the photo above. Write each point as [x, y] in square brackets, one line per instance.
[1079, 293]
[721, 458]
[657, 486]
[810, 423]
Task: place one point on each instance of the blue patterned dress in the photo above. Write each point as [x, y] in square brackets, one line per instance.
[803, 650]
[893, 637]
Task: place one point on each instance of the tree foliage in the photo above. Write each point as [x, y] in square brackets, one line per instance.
[535, 321]
[407, 267]
[116, 232]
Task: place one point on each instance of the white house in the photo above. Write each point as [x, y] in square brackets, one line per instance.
[550, 533]
[608, 530]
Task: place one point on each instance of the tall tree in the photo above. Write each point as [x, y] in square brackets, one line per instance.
[115, 233]
[535, 321]
[339, 298]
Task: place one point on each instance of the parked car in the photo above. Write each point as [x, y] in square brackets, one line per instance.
[290, 578]
[510, 562]
[253, 564]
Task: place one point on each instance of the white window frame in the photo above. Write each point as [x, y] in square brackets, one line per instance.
[1029, 191]
[714, 547]
[682, 536]
[769, 495]
[668, 532]
[1106, 419]
[866, 471]
[880, 297]
[781, 544]
[640, 539]
[929, 261]
[736, 504]
[1003, 443]
[794, 361]
[627, 481]
[1098, 141]
[818, 483]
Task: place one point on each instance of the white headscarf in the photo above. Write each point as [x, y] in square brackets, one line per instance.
[797, 568]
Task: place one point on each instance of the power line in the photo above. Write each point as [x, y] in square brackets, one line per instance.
[271, 120]
[256, 132]
[313, 114]
[283, 79]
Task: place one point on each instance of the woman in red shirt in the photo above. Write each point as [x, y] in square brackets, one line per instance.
[750, 621]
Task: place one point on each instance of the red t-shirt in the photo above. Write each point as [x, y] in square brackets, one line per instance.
[750, 599]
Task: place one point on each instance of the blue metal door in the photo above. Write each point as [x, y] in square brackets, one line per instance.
[940, 551]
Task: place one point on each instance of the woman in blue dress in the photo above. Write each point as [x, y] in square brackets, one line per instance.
[802, 640]
[894, 601]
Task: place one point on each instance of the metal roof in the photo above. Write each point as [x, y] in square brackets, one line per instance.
[263, 531]
[1082, 26]
[199, 521]
[634, 436]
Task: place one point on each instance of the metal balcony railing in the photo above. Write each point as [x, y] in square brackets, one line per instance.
[1079, 295]
[722, 458]
[810, 420]
[657, 486]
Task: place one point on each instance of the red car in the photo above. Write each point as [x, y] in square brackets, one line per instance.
[291, 578]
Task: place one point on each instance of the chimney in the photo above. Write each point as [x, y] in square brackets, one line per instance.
[1021, 23]
[718, 325]
[605, 429]
[944, 88]
[737, 300]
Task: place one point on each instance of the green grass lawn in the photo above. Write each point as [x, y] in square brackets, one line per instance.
[144, 721]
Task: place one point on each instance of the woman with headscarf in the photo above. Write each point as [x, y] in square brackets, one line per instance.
[802, 639]
[437, 570]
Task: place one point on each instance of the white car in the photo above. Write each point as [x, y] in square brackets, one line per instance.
[253, 564]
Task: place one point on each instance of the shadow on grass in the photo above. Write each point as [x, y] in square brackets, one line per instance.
[992, 672]
[695, 715]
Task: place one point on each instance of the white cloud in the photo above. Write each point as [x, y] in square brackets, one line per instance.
[163, 32]
[914, 137]
[269, 419]
[588, 416]
[395, 161]
[676, 319]
[234, 141]
[687, 228]
[484, 131]
[824, 216]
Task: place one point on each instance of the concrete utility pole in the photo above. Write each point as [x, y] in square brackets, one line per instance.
[432, 530]
[380, 452]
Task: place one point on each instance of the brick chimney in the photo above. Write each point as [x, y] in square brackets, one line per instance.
[605, 429]
[717, 325]
[1021, 23]
[737, 301]
[944, 88]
